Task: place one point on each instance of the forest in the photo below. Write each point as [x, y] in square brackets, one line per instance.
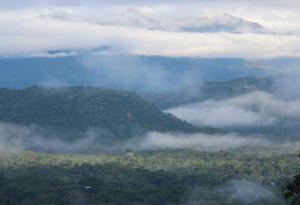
[163, 177]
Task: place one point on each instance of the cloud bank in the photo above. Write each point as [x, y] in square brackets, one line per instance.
[151, 28]
[199, 142]
[16, 138]
[252, 109]
[248, 192]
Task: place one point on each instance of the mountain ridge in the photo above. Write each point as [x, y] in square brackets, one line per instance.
[70, 112]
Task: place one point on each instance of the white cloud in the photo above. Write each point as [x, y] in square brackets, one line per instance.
[200, 142]
[15, 138]
[252, 109]
[145, 29]
[249, 192]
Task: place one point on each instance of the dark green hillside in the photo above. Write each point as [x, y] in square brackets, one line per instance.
[75, 110]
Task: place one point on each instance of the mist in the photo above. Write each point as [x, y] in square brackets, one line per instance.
[236, 191]
[199, 142]
[251, 109]
[128, 72]
[11, 138]
[248, 192]
[287, 85]
[17, 138]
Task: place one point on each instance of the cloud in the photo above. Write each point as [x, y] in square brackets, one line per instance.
[249, 192]
[236, 191]
[287, 85]
[252, 109]
[59, 54]
[15, 3]
[16, 138]
[161, 29]
[123, 71]
[11, 138]
[159, 18]
[200, 142]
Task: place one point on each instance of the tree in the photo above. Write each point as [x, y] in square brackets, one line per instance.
[292, 190]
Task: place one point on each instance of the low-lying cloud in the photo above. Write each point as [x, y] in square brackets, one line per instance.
[287, 85]
[236, 191]
[15, 138]
[251, 109]
[123, 71]
[199, 142]
[248, 192]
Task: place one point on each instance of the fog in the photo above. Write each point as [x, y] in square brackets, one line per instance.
[236, 191]
[11, 138]
[208, 142]
[251, 109]
[248, 192]
[123, 71]
[287, 85]
[200, 142]
[16, 138]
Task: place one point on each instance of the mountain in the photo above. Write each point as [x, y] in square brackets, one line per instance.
[234, 96]
[70, 113]
[126, 72]
[217, 90]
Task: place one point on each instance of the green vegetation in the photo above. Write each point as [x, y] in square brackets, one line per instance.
[291, 191]
[70, 112]
[167, 177]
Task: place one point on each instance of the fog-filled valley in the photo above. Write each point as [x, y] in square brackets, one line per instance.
[149, 102]
[229, 141]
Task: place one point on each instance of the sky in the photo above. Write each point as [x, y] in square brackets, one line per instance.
[215, 28]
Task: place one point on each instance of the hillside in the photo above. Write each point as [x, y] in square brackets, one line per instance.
[217, 90]
[73, 111]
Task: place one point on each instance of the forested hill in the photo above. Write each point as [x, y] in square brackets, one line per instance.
[74, 110]
[209, 90]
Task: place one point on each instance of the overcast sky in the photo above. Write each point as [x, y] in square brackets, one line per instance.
[214, 28]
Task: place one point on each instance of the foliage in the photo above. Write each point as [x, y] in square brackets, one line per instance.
[291, 191]
[70, 112]
[168, 177]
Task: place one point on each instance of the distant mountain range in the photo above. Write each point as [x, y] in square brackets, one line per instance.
[217, 90]
[284, 127]
[138, 73]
